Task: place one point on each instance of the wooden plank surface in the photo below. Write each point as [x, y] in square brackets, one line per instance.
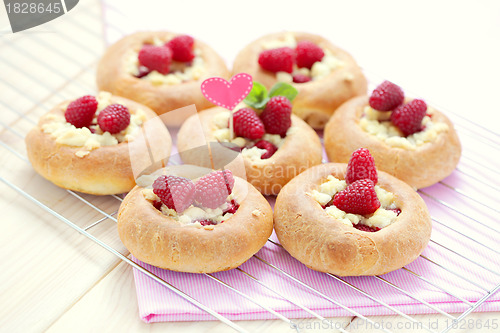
[116, 292]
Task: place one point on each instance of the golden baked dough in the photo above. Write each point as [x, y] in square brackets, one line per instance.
[317, 99]
[104, 170]
[325, 244]
[424, 166]
[161, 241]
[301, 150]
[112, 77]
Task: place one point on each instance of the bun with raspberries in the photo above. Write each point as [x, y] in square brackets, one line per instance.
[97, 145]
[195, 220]
[275, 144]
[161, 70]
[407, 138]
[351, 220]
[325, 75]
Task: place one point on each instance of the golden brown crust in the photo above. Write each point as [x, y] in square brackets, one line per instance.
[159, 240]
[421, 167]
[105, 170]
[317, 100]
[301, 150]
[112, 77]
[325, 244]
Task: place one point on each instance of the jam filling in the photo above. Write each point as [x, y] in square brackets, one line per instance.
[396, 210]
[206, 222]
[364, 227]
[143, 71]
[232, 207]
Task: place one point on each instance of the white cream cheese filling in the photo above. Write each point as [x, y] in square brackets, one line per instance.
[381, 218]
[378, 124]
[222, 134]
[192, 214]
[319, 70]
[179, 71]
[67, 134]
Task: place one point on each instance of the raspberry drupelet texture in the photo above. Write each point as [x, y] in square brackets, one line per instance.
[361, 165]
[358, 198]
[156, 58]
[182, 48]
[213, 189]
[247, 124]
[277, 60]
[81, 111]
[386, 97]
[307, 53]
[175, 192]
[408, 117]
[277, 115]
[114, 118]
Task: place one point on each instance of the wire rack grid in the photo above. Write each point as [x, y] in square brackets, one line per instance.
[26, 99]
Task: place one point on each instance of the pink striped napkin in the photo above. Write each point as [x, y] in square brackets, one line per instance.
[458, 268]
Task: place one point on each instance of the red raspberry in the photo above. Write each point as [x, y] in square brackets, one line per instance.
[361, 165]
[364, 227]
[182, 48]
[386, 97]
[81, 111]
[277, 60]
[408, 117]
[212, 189]
[307, 53]
[358, 198]
[175, 192]
[114, 118]
[301, 78]
[156, 58]
[268, 146]
[277, 115]
[247, 124]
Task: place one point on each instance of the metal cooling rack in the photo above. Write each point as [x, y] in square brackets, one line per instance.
[13, 131]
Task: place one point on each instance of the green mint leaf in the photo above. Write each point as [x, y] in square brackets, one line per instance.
[262, 104]
[257, 98]
[283, 89]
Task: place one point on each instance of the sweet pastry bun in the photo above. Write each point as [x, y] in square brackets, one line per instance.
[300, 150]
[103, 170]
[113, 76]
[419, 167]
[317, 99]
[161, 241]
[325, 244]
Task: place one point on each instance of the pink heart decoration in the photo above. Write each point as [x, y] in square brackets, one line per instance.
[227, 94]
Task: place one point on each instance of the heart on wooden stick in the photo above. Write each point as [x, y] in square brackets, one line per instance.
[227, 94]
